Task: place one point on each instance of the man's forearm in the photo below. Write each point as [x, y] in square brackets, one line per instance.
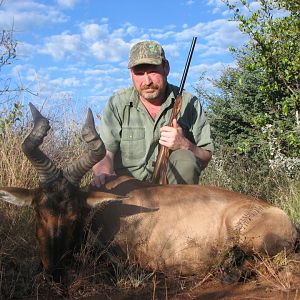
[203, 154]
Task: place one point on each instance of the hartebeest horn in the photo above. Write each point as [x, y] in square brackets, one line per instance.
[96, 151]
[47, 171]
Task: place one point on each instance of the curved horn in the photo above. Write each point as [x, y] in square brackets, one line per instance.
[96, 151]
[30, 146]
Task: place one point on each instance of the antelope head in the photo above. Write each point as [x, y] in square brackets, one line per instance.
[60, 206]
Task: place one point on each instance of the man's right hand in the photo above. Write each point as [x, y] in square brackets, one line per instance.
[99, 180]
[103, 170]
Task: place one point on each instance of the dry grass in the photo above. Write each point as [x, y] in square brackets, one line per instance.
[256, 179]
[275, 272]
[15, 168]
[19, 258]
[96, 271]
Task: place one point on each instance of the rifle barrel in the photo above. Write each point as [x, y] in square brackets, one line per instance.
[187, 65]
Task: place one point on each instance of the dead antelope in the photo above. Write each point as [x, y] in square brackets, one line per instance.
[171, 228]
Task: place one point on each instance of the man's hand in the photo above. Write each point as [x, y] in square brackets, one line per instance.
[172, 137]
[103, 170]
[100, 179]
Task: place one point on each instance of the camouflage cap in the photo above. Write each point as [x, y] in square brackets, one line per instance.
[146, 52]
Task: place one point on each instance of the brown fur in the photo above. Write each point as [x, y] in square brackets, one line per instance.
[191, 224]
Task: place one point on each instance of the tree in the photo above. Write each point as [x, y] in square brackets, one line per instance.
[8, 46]
[257, 107]
[231, 110]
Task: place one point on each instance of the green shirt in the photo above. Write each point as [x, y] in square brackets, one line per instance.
[128, 130]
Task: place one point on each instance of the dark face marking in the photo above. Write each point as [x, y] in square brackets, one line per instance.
[60, 213]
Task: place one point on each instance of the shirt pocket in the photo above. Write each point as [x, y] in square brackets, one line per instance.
[132, 144]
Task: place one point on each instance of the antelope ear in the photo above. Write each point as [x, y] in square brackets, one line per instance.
[17, 196]
[97, 198]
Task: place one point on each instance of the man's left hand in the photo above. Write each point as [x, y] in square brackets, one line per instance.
[172, 137]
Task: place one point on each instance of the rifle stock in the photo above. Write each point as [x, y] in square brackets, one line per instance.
[160, 169]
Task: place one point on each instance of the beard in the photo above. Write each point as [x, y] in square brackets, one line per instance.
[150, 92]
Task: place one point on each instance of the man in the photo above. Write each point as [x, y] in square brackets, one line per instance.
[134, 124]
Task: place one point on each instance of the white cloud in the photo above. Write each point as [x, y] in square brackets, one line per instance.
[210, 69]
[218, 6]
[94, 39]
[216, 3]
[66, 82]
[172, 50]
[132, 30]
[104, 20]
[218, 35]
[190, 2]
[163, 35]
[111, 50]
[59, 45]
[18, 69]
[26, 14]
[25, 51]
[67, 3]
[92, 32]
[224, 34]
[32, 75]
[106, 70]
[25, 73]
[244, 10]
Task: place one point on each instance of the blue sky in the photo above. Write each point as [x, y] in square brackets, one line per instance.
[73, 53]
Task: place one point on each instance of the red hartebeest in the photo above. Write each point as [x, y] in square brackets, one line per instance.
[172, 228]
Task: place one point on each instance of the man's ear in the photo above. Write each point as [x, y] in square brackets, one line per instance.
[131, 72]
[97, 198]
[17, 196]
[166, 67]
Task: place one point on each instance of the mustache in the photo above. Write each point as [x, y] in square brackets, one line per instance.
[151, 86]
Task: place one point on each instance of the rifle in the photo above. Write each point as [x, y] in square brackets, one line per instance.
[160, 169]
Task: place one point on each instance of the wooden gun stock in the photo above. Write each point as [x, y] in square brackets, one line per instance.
[160, 169]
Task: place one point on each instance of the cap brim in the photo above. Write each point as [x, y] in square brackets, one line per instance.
[148, 61]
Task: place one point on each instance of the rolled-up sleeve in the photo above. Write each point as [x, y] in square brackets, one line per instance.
[201, 128]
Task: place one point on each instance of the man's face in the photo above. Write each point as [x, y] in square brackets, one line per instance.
[150, 81]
